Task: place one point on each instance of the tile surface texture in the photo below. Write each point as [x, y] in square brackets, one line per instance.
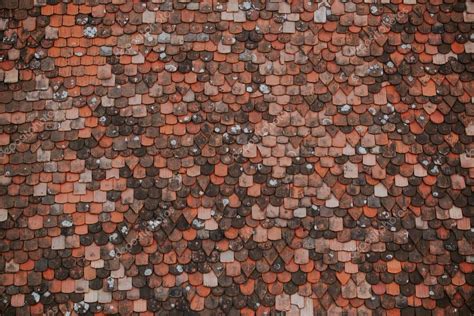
[236, 157]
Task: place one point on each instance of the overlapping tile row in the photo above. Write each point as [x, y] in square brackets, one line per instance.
[233, 157]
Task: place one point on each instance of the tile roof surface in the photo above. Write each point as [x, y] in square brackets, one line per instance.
[240, 157]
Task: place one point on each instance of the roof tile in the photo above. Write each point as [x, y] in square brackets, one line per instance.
[239, 157]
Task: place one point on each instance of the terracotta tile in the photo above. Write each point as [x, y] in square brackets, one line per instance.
[301, 256]
[197, 303]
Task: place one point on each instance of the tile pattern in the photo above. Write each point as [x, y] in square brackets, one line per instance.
[236, 157]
